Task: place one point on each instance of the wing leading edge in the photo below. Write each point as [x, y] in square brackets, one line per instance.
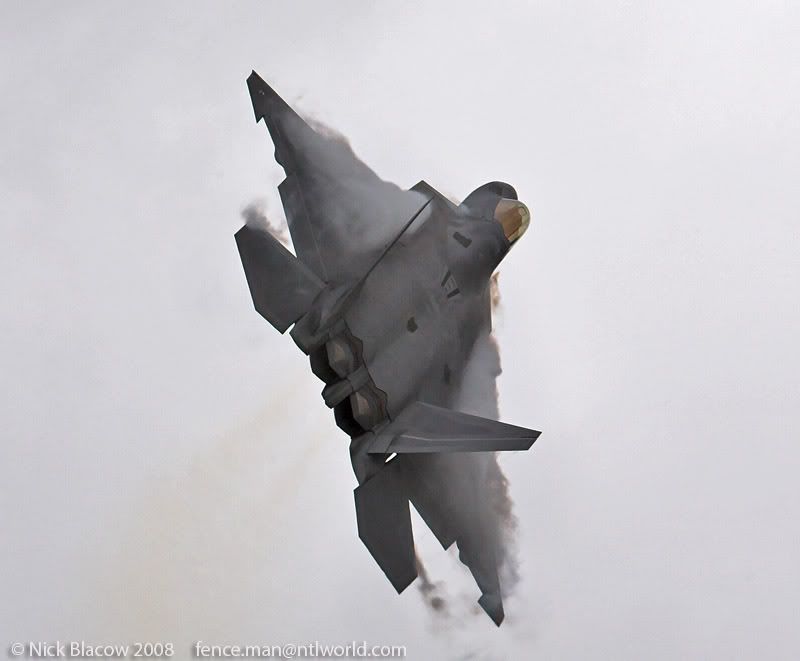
[340, 213]
[424, 428]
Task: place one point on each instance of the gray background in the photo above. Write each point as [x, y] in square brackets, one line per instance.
[169, 470]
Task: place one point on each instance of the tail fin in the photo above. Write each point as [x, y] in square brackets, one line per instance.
[423, 427]
[282, 287]
[384, 525]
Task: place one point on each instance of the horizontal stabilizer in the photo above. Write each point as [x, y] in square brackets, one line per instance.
[282, 288]
[423, 427]
[384, 525]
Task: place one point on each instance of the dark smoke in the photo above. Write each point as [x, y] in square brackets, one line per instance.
[430, 591]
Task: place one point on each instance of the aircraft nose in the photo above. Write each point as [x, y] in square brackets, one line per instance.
[514, 216]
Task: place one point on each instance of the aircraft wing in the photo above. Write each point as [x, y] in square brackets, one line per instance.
[446, 466]
[340, 213]
[423, 428]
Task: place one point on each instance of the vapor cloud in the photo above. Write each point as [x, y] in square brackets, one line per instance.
[477, 488]
[254, 215]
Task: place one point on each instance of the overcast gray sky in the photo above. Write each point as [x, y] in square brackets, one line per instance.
[170, 471]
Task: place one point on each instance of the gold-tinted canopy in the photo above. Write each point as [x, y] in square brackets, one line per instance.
[514, 216]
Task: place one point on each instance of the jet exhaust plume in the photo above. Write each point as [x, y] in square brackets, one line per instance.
[200, 540]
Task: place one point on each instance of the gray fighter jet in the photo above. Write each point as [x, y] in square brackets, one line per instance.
[388, 295]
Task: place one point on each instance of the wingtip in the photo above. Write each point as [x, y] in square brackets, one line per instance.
[265, 100]
[493, 606]
[530, 440]
[258, 89]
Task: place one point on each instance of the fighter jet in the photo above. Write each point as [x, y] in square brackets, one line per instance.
[388, 293]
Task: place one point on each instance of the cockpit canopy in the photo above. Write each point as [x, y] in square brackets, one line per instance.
[514, 216]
